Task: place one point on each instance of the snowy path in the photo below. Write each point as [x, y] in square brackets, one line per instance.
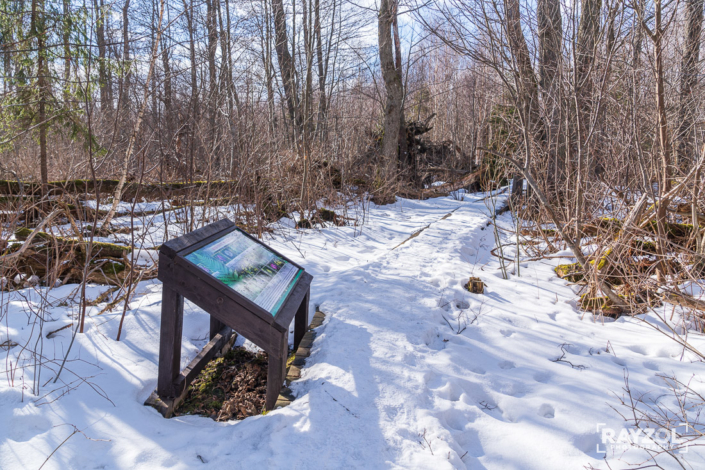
[388, 384]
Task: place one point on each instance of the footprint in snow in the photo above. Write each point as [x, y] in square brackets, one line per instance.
[433, 380]
[457, 420]
[513, 388]
[466, 250]
[449, 391]
[26, 425]
[619, 361]
[547, 411]
[639, 349]
[506, 365]
[542, 377]
[659, 381]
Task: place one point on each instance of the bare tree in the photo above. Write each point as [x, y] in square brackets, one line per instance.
[394, 141]
[38, 30]
[550, 35]
[685, 134]
[286, 63]
[104, 80]
[138, 124]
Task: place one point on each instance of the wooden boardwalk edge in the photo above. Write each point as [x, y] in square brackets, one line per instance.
[293, 372]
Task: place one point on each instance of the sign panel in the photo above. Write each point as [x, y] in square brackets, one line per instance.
[248, 268]
[215, 267]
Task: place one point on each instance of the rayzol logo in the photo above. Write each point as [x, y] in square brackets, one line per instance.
[650, 439]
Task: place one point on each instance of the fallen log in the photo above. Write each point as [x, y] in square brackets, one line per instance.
[684, 300]
[444, 189]
[28, 240]
[99, 249]
[58, 258]
[147, 190]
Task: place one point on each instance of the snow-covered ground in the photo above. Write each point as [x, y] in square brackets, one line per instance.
[393, 381]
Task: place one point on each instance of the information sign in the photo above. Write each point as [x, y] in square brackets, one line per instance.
[245, 286]
[249, 268]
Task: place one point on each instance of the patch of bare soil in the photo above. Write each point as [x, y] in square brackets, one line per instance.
[230, 387]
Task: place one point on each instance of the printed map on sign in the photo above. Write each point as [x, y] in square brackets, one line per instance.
[250, 269]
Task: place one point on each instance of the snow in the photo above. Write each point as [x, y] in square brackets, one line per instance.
[389, 383]
[126, 207]
[694, 288]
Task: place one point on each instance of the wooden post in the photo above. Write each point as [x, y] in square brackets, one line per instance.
[216, 326]
[301, 321]
[170, 340]
[276, 371]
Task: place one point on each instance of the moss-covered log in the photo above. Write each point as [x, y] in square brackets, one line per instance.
[599, 304]
[53, 257]
[574, 273]
[644, 246]
[304, 223]
[130, 190]
[570, 272]
[327, 215]
[57, 258]
[536, 232]
[99, 249]
[602, 224]
[674, 231]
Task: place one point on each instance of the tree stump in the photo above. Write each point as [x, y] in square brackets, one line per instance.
[475, 285]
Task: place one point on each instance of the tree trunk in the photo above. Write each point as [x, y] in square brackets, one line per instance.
[37, 27]
[67, 46]
[661, 103]
[138, 124]
[286, 63]
[685, 135]
[320, 121]
[406, 158]
[168, 102]
[124, 98]
[550, 33]
[212, 79]
[588, 33]
[525, 79]
[194, 109]
[106, 104]
[393, 110]
[6, 49]
[268, 67]
[307, 98]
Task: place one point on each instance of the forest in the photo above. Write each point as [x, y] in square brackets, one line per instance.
[574, 131]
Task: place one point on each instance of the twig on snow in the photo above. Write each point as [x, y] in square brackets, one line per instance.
[562, 359]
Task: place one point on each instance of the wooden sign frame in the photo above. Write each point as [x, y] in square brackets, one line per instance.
[228, 311]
